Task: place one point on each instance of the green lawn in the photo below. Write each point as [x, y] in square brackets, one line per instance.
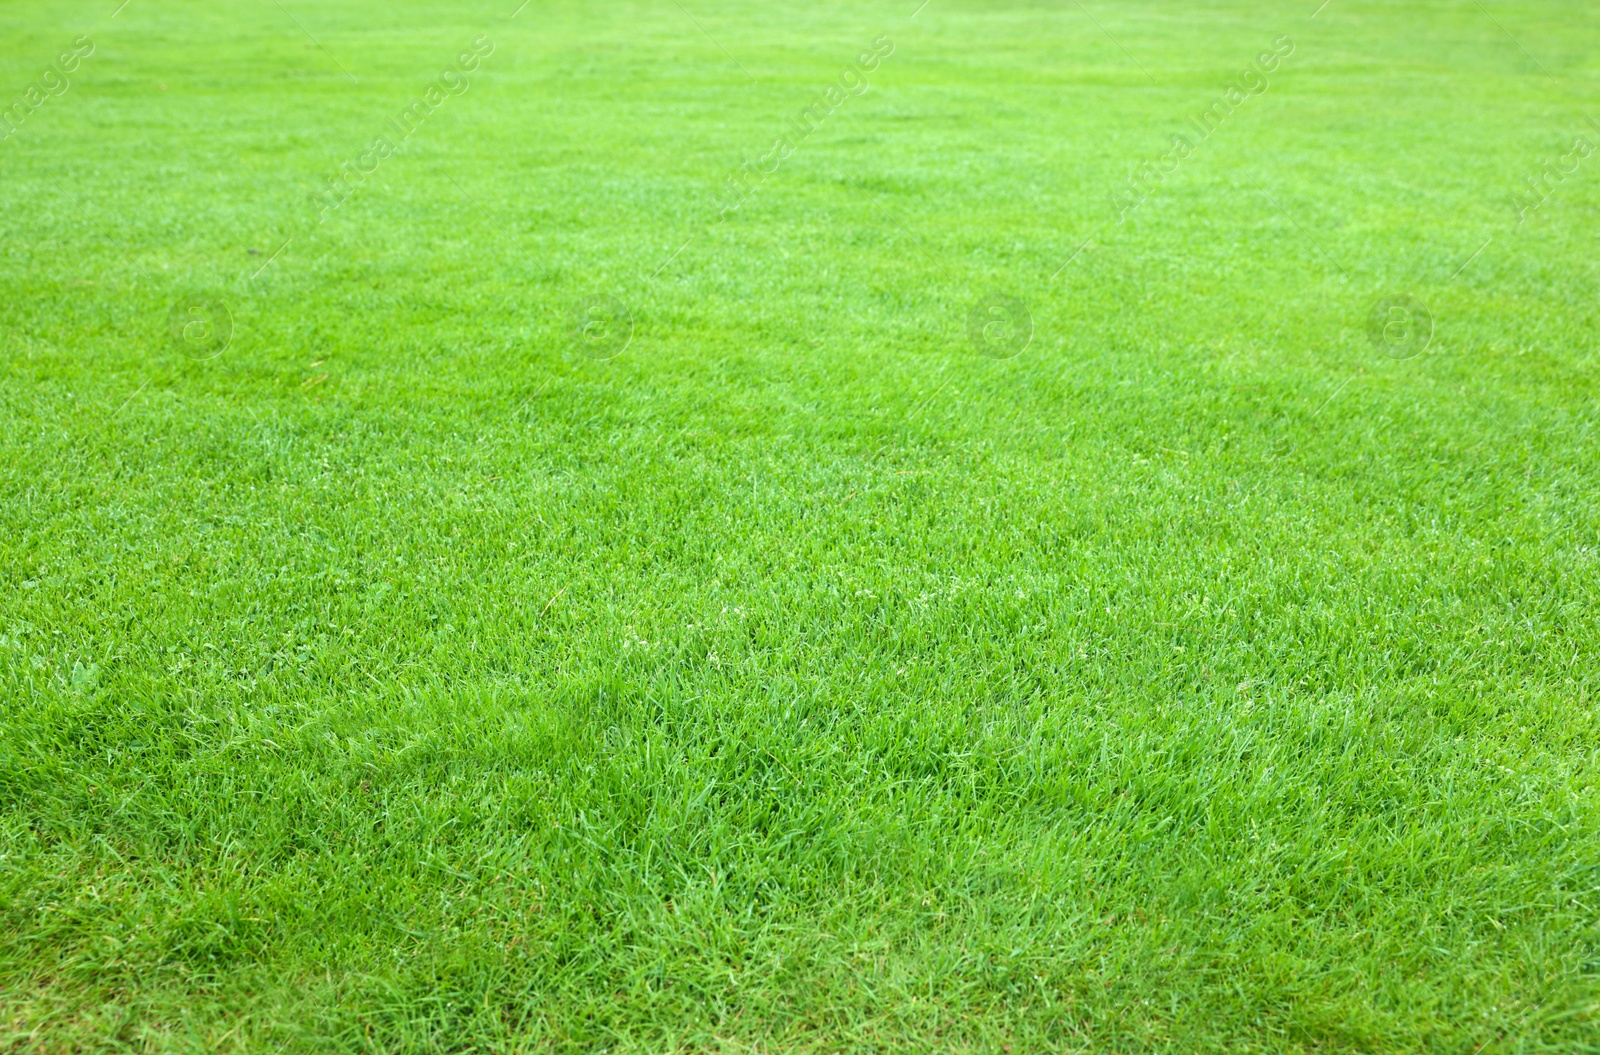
[483, 570]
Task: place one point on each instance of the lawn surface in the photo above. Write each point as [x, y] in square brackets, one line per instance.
[480, 570]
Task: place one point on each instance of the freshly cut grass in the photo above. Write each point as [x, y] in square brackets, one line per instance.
[382, 669]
